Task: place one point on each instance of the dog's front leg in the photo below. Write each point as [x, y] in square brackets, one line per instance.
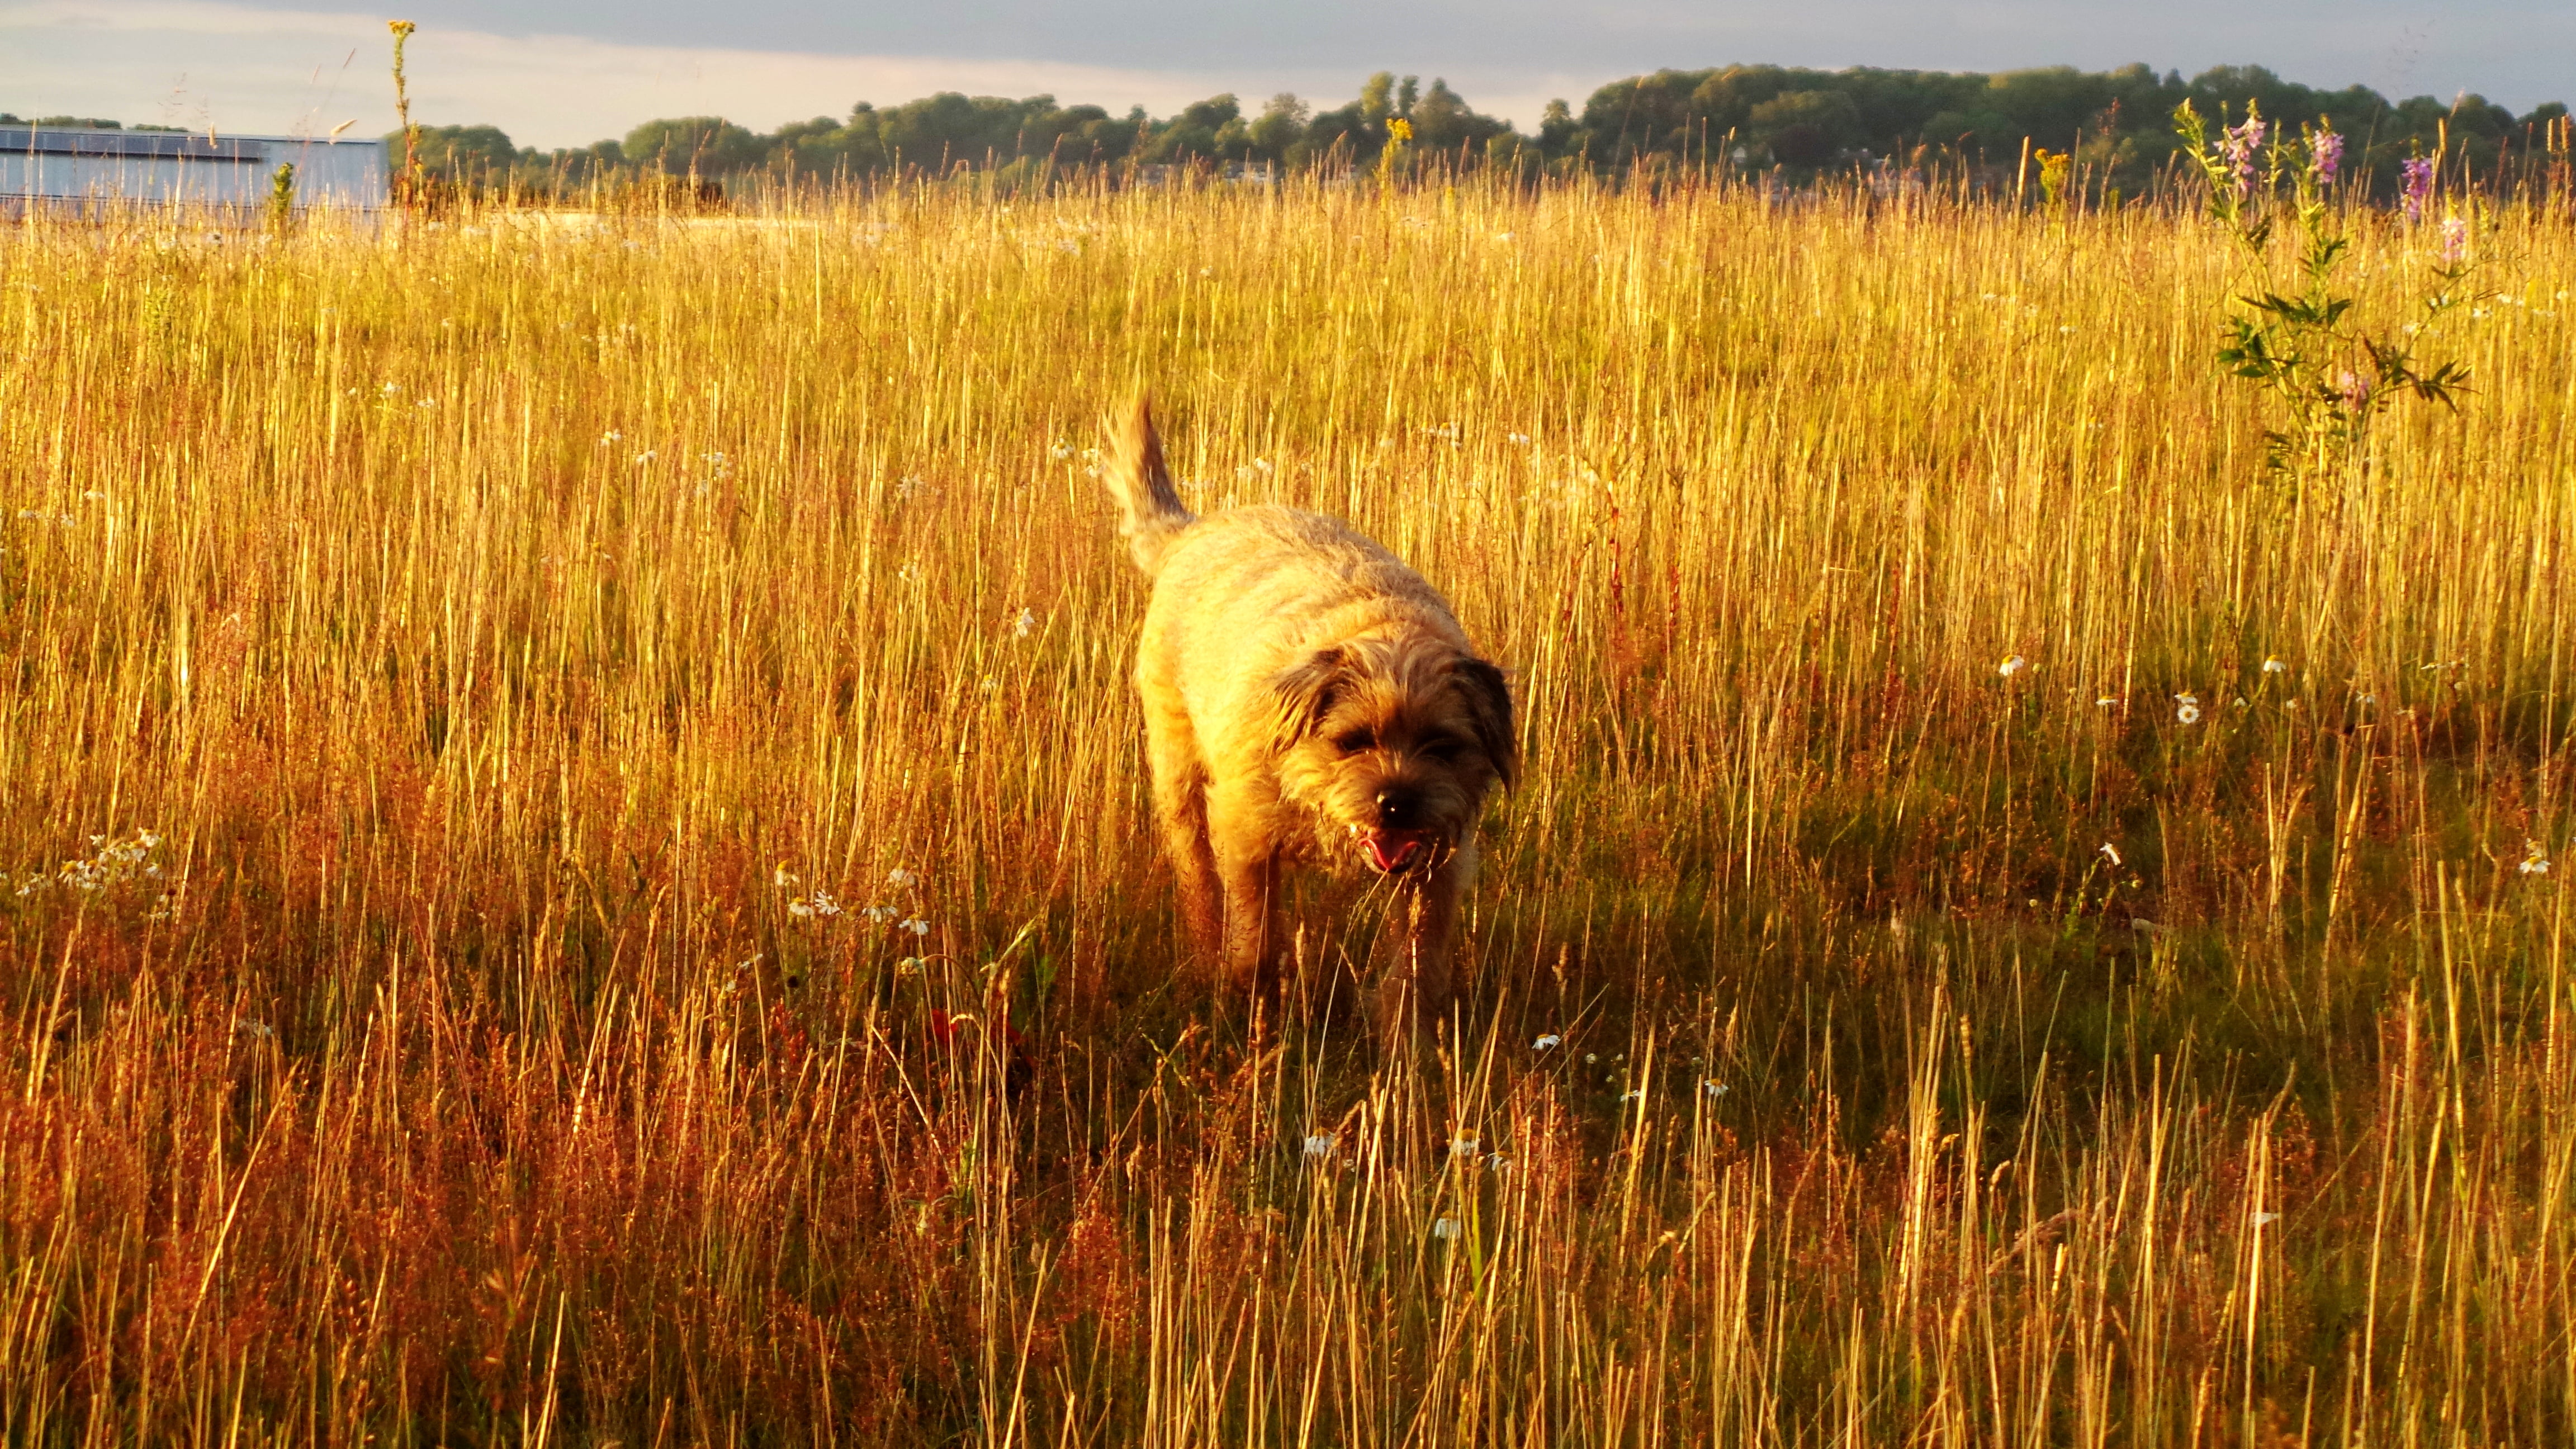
[1180, 805]
[1247, 868]
[1252, 931]
[1185, 842]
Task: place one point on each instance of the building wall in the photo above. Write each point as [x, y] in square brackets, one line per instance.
[334, 173]
[96, 167]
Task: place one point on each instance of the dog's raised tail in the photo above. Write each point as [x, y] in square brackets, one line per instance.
[1150, 514]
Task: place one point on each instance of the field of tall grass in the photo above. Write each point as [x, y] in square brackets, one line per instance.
[578, 868]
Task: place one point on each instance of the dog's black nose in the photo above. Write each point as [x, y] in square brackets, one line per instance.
[1396, 809]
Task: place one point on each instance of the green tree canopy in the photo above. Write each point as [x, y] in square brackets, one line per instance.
[1806, 122]
[692, 145]
[465, 154]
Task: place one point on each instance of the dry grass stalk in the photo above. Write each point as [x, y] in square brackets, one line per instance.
[647, 931]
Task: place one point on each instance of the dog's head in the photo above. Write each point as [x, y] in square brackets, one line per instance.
[1392, 746]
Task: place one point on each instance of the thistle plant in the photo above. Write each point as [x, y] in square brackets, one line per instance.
[2331, 378]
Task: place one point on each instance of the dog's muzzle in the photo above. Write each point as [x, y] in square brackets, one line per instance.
[1389, 851]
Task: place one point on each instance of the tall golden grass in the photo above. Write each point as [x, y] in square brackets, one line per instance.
[454, 678]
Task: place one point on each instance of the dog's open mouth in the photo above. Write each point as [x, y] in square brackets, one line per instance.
[1389, 851]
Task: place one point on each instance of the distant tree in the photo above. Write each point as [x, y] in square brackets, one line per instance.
[1807, 128]
[462, 155]
[1444, 124]
[1092, 136]
[1197, 132]
[699, 145]
[819, 147]
[1281, 126]
[1556, 125]
[1377, 98]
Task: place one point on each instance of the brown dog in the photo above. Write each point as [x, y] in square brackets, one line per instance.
[1308, 698]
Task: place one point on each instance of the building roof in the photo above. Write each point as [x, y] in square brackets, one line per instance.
[178, 145]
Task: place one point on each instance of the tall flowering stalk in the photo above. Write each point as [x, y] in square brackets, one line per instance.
[402, 30]
[2054, 167]
[2229, 191]
[1399, 134]
[2238, 145]
[2328, 376]
[2325, 154]
[2416, 185]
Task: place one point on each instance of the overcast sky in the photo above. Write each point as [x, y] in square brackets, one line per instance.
[567, 72]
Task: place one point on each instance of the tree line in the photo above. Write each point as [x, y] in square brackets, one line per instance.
[2118, 123]
[949, 130]
[1801, 123]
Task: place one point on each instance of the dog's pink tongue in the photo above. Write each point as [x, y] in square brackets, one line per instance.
[1388, 850]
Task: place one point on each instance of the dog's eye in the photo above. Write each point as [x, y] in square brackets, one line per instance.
[1356, 741]
[1442, 749]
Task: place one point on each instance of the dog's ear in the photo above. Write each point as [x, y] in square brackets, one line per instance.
[1305, 692]
[1489, 700]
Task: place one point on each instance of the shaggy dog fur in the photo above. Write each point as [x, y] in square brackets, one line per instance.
[1308, 699]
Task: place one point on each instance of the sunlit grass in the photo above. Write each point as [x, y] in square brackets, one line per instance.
[442, 669]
